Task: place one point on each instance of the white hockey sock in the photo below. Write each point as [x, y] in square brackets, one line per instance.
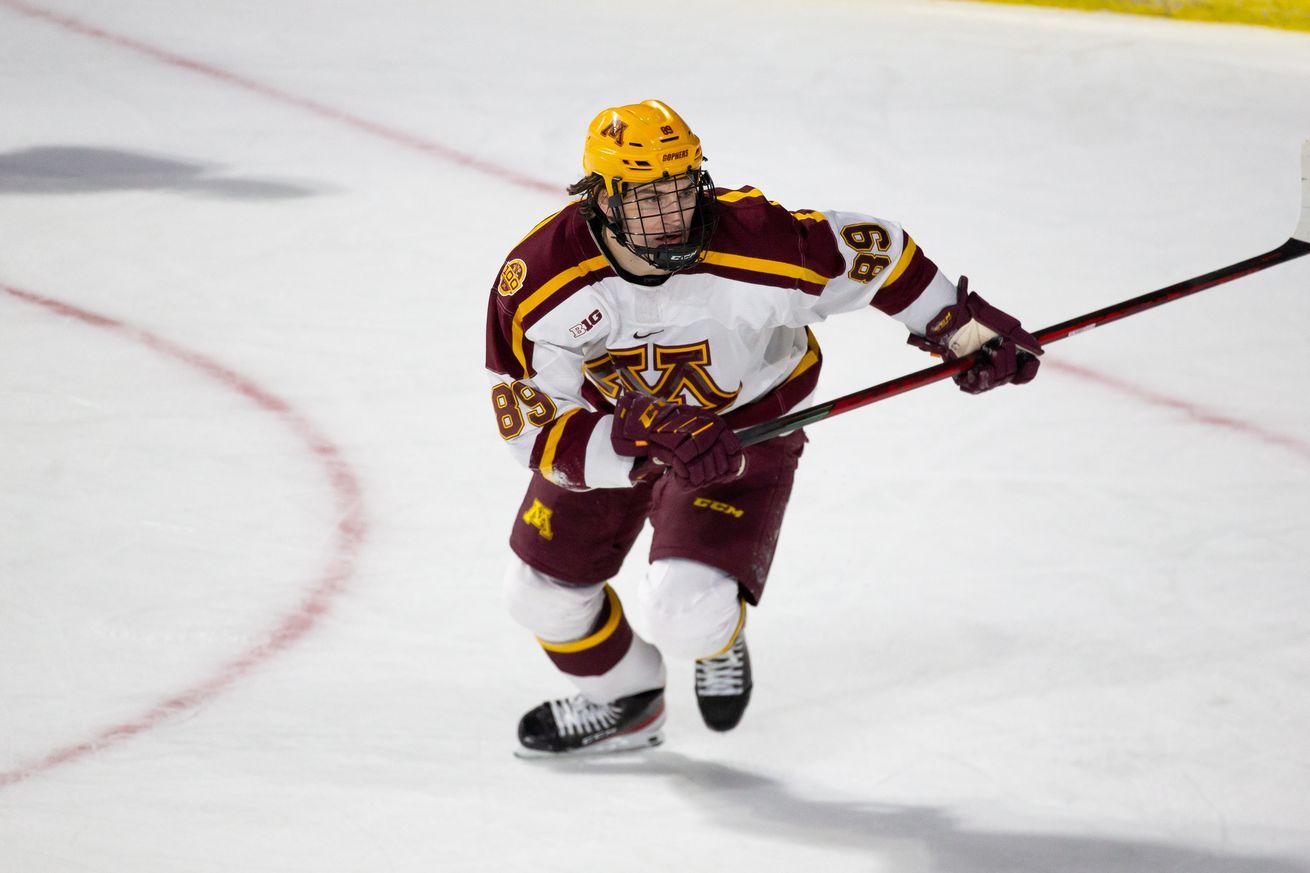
[641, 669]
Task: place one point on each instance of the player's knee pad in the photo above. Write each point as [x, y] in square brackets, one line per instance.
[548, 607]
[692, 610]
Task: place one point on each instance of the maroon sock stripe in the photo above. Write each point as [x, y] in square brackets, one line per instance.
[600, 650]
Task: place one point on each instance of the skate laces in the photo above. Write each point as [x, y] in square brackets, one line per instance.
[723, 675]
[578, 715]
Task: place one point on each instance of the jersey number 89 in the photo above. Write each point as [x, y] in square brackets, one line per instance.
[505, 399]
[864, 238]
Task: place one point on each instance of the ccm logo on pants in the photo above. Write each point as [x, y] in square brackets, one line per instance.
[706, 503]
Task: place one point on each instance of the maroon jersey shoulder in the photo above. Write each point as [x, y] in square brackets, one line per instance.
[559, 243]
[556, 259]
[760, 241]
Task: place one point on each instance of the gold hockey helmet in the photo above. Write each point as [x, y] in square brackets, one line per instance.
[640, 142]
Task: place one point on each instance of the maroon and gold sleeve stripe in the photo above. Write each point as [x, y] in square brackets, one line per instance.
[500, 354]
[748, 193]
[560, 451]
[912, 273]
[601, 649]
[557, 258]
[540, 302]
[759, 242]
[765, 271]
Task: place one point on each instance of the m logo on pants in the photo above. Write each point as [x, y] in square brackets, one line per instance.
[538, 515]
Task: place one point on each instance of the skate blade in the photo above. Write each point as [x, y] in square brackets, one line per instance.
[608, 747]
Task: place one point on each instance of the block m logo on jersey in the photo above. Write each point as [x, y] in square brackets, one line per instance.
[680, 374]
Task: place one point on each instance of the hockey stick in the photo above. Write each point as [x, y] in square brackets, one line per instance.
[1296, 246]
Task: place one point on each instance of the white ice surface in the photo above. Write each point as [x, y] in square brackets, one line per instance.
[1063, 628]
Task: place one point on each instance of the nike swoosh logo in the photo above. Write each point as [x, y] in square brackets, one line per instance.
[636, 335]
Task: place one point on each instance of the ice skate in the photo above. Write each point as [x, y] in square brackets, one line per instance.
[576, 726]
[723, 686]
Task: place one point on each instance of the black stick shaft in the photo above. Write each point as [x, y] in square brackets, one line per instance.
[1293, 248]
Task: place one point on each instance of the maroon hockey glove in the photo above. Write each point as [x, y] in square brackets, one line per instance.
[1006, 352]
[694, 442]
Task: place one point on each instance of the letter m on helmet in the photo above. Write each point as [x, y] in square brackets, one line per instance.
[615, 131]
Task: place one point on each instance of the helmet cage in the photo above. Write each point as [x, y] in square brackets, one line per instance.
[643, 217]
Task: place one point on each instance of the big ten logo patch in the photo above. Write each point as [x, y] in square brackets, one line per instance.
[538, 515]
[587, 323]
[716, 506]
[511, 278]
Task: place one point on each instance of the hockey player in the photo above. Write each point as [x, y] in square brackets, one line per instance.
[628, 335]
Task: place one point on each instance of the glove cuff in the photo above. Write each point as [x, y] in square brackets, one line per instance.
[967, 325]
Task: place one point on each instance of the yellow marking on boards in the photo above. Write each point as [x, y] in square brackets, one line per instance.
[1286, 14]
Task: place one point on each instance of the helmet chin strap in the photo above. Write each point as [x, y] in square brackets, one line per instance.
[670, 257]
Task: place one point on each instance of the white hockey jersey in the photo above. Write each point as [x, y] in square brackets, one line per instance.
[565, 331]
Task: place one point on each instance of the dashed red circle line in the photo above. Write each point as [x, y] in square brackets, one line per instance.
[351, 531]
[352, 528]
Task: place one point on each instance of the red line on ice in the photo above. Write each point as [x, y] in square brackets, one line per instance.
[396, 137]
[1204, 416]
[351, 530]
